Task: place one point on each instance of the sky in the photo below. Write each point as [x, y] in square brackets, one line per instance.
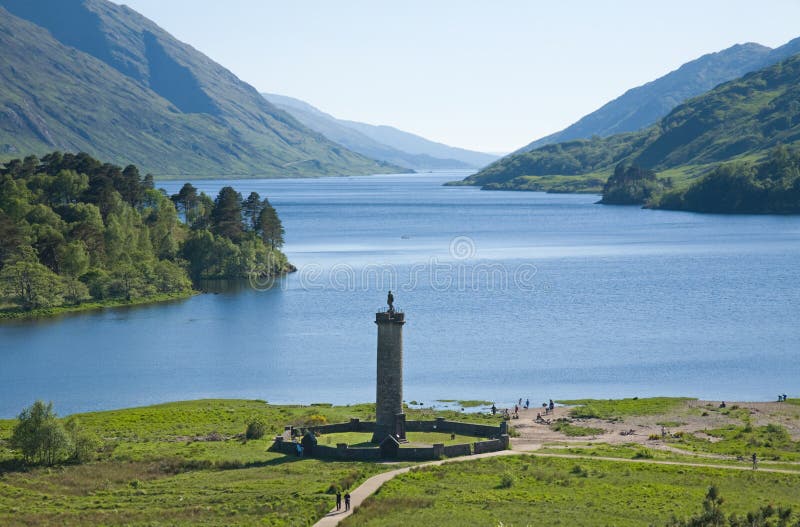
[489, 75]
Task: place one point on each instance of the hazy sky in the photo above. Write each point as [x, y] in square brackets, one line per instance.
[490, 75]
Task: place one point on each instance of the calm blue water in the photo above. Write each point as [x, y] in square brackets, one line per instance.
[507, 295]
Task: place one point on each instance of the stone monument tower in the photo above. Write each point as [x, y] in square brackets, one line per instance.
[389, 416]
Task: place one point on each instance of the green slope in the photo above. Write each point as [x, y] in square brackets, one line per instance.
[90, 75]
[741, 119]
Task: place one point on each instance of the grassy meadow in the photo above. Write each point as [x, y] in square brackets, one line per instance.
[529, 490]
[188, 463]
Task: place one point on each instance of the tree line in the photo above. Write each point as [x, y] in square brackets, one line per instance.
[74, 229]
[771, 186]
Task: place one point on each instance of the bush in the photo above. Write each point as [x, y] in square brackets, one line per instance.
[255, 430]
[84, 445]
[580, 471]
[506, 481]
[317, 420]
[39, 436]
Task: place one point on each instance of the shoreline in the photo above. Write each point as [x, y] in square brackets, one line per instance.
[566, 404]
[52, 312]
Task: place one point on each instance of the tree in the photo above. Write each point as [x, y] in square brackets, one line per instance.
[170, 277]
[251, 208]
[73, 262]
[162, 222]
[270, 227]
[198, 250]
[187, 201]
[12, 237]
[129, 185]
[127, 281]
[149, 182]
[30, 283]
[39, 436]
[83, 444]
[226, 218]
[74, 259]
[202, 217]
[86, 225]
[68, 185]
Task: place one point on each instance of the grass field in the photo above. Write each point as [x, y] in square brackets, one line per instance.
[526, 490]
[615, 408]
[187, 463]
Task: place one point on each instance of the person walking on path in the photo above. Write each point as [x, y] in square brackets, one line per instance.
[527, 403]
[338, 500]
[755, 461]
[347, 501]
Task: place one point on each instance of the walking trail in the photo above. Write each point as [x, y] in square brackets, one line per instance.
[370, 486]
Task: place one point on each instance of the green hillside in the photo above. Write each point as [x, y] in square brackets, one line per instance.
[93, 76]
[742, 119]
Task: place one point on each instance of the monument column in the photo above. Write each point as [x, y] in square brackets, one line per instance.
[389, 416]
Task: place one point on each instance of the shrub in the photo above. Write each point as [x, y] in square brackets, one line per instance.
[579, 471]
[84, 444]
[255, 430]
[506, 481]
[317, 420]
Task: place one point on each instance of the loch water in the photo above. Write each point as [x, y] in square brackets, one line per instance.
[506, 295]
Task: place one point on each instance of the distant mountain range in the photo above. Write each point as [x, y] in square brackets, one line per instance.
[741, 119]
[94, 76]
[384, 143]
[644, 105]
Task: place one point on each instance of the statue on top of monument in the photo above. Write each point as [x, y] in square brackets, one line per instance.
[390, 301]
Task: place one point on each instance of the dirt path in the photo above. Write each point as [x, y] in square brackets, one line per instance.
[370, 486]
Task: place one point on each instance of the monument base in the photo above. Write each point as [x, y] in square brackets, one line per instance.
[397, 430]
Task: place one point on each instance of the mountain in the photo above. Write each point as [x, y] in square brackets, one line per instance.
[94, 76]
[381, 142]
[644, 105]
[743, 118]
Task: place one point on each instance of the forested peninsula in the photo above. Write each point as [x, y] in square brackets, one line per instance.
[77, 233]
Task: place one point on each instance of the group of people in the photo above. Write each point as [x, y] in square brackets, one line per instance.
[339, 501]
[547, 407]
[782, 398]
